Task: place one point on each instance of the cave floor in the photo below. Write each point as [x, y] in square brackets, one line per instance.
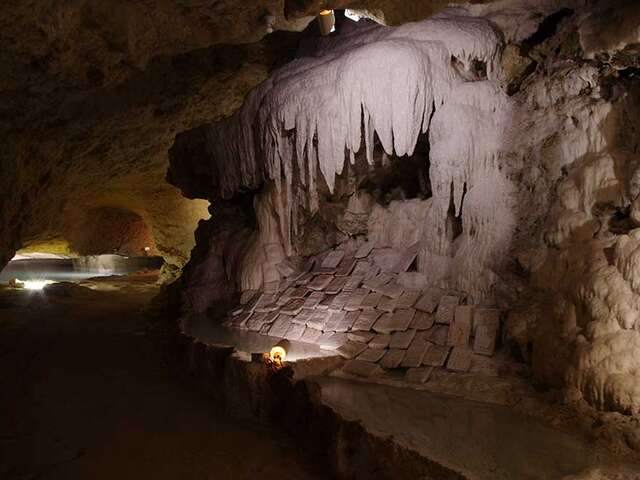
[483, 426]
[84, 393]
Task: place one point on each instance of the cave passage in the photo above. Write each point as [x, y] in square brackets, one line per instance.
[398, 240]
[85, 392]
[65, 269]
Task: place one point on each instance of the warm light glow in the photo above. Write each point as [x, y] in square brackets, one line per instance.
[34, 284]
[326, 22]
[278, 354]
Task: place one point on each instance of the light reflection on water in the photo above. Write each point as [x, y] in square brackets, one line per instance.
[211, 332]
[66, 269]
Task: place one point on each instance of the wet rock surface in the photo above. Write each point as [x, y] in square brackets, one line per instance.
[371, 430]
[527, 204]
[354, 290]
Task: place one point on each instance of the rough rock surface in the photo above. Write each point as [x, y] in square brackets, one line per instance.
[530, 119]
[519, 118]
[92, 94]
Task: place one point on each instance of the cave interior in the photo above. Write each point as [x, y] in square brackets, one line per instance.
[351, 239]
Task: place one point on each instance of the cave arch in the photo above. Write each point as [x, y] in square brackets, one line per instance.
[112, 230]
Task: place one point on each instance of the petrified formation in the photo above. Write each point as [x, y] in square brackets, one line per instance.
[522, 131]
[498, 138]
[363, 303]
[379, 87]
[93, 94]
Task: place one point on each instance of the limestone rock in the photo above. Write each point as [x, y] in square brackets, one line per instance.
[361, 368]
[392, 358]
[418, 375]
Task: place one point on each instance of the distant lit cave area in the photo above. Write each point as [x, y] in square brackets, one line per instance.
[311, 240]
[106, 242]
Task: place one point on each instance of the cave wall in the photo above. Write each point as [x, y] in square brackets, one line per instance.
[530, 111]
[323, 97]
[93, 93]
[112, 230]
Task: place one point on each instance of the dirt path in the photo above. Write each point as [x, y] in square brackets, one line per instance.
[84, 395]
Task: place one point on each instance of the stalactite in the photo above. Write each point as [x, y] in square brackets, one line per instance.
[388, 79]
[385, 84]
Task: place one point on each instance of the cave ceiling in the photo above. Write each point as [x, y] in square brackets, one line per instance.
[93, 93]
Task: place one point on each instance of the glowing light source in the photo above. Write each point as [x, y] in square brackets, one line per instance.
[278, 353]
[326, 22]
[34, 284]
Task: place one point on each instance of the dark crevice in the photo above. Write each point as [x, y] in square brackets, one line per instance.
[613, 218]
[414, 266]
[629, 73]
[401, 178]
[620, 222]
[454, 222]
[547, 28]
[527, 49]
[474, 72]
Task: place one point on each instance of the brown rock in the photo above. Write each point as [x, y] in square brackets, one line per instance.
[346, 266]
[381, 340]
[445, 313]
[402, 339]
[460, 329]
[336, 285]
[372, 354]
[436, 355]
[418, 375]
[429, 301]
[459, 359]
[359, 336]
[392, 359]
[371, 301]
[295, 332]
[333, 259]
[485, 340]
[361, 368]
[366, 319]
[320, 282]
[351, 349]
[280, 326]
[310, 335]
[414, 357]
[364, 250]
[422, 320]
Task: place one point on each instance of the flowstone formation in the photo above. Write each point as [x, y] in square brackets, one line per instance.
[376, 90]
[497, 143]
[364, 303]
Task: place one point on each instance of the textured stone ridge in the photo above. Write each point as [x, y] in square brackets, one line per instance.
[527, 198]
[248, 390]
[366, 316]
[92, 97]
[282, 135]
[92, 94]
[522, 189]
